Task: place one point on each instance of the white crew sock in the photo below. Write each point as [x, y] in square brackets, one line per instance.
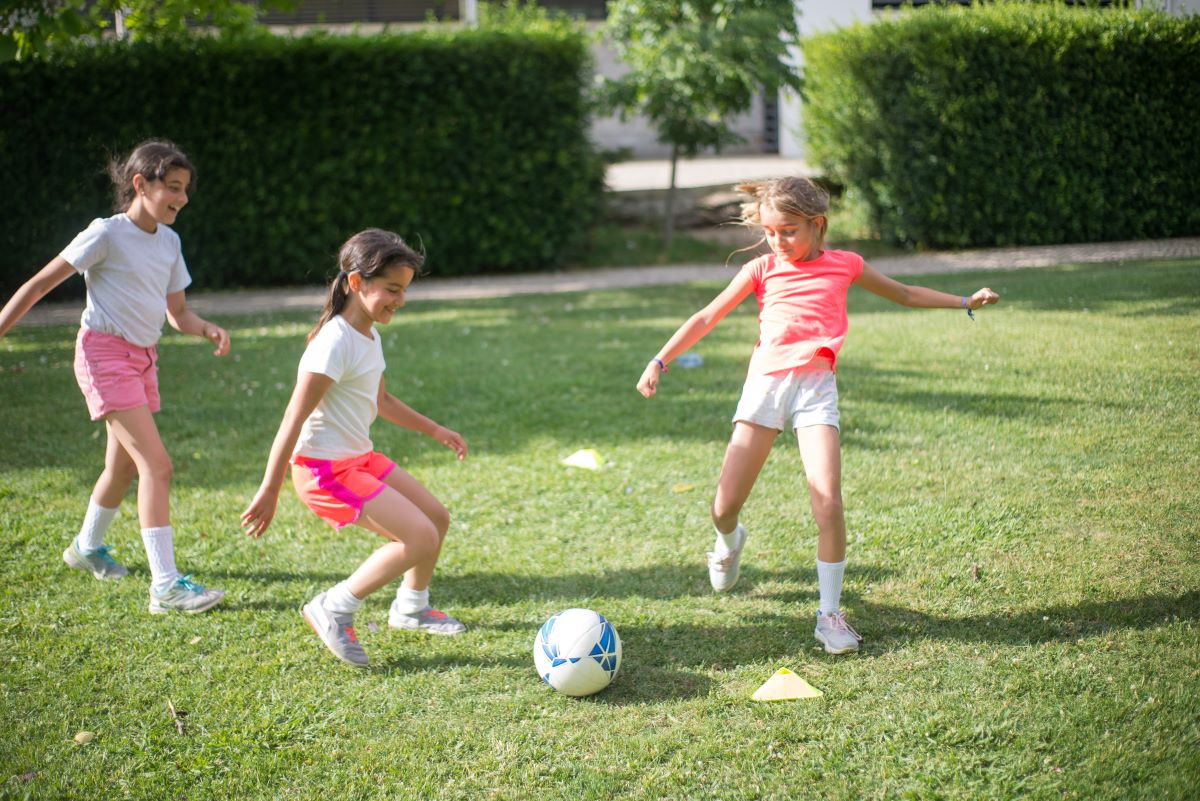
[341, 601]
[96, 521]
[160, 551]
[727, 542]
[829, 580]
[409, 602]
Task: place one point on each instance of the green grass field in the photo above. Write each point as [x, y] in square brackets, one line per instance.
[1022, 495]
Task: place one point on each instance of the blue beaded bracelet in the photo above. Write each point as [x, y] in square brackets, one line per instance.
[970, 314]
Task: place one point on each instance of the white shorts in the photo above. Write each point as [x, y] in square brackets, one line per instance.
[795, 399]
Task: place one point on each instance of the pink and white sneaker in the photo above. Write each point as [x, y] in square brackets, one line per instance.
[837, 635]
[428, 619]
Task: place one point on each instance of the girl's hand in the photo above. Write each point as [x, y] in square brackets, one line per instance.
[218, 336]
[648, 384]
[452, 440]
[983, 297]
[260, 512]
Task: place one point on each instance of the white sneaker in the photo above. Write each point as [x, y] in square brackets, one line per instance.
[184, 595]
[428, 619]
[838, 636]
[724, 569]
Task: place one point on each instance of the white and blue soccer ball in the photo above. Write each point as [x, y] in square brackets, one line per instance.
[577, 652]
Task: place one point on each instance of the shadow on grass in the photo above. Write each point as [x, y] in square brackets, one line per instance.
[889, 627]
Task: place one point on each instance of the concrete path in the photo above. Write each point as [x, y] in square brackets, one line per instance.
[468, 287]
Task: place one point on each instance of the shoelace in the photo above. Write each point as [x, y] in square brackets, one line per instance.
[434, 614]
[186, 583]
[839, 622]
[350, 633]
[103, 552]
[724, 561]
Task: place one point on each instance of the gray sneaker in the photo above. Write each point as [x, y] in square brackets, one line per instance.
[724, 569]
[836, 634]
[98, 562]
[336, 630]
[184, 595]
[428, 619]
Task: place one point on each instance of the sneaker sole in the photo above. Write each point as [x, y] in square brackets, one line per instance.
[166, 610]
[392, 625]
[849, 649]
[87, 569]
[316, 631]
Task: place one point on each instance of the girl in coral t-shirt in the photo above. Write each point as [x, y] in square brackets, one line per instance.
[801, 290]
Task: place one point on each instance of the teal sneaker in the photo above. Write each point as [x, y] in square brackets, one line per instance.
[184, 595]
[98, 562]
[428, 619]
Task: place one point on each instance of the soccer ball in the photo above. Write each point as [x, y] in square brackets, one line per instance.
[577, 652]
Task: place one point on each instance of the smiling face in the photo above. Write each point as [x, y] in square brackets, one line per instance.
[792, 236]
[382, 295]
[159, 201]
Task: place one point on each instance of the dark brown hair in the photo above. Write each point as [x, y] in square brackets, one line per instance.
[369, 253]
[152, 159]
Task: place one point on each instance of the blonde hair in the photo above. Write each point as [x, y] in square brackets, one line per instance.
[791, 195]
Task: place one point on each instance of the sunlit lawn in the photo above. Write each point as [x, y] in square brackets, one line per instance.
[1021, 492]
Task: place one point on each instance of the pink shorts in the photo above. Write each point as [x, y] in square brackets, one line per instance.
[115, 375]
[336, 490]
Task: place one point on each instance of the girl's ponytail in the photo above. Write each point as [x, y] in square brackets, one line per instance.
[334, 301]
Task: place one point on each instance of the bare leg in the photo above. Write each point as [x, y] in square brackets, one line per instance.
[118, 475]
[414, 540]
[820, 448]
[137, 435]
[749, 446]
[419, 575]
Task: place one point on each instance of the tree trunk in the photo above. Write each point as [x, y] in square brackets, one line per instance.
[669, 216]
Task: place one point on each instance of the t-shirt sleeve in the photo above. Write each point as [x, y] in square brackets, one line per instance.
[180, 278]
[326, 354]
[755, 270]
[88, 248]
[856, 266]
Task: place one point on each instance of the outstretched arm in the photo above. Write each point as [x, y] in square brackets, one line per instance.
[694, 330]
[310, 388]
[400, 413]
[33, 290]
[920, 297]
[186, 321]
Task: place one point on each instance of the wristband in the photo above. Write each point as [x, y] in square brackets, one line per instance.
[970, 314]
[660, 364]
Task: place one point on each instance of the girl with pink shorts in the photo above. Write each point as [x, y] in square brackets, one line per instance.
[801, 291]
[133, 265]
[324, 441]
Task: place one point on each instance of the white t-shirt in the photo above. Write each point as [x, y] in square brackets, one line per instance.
[129, 274]
[340, 426]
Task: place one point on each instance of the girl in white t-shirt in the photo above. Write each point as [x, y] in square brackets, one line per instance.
[325, 435]
[135, 274]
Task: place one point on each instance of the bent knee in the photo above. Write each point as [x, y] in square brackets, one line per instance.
[440, 517]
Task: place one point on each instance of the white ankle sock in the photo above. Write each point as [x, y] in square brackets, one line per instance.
[96, 521]
[410, 602]
[726, 542]
[829, 580]
[160, 551]
[341, 601]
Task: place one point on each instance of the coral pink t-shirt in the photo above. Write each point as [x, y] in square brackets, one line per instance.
[802, 309]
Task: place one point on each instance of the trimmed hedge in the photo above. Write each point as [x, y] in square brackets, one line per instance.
[470, 143]
[1011, 123]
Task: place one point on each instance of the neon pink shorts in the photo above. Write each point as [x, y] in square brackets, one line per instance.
[336, 490]
[115, 375]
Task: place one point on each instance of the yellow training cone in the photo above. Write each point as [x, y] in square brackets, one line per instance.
[785, 686]
[587, 458]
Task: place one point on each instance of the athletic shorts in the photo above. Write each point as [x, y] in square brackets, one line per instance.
[115, 375]
[795, 399]
[336, 490]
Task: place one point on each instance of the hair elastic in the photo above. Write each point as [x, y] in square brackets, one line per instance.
[965, 302]
[660, 364]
